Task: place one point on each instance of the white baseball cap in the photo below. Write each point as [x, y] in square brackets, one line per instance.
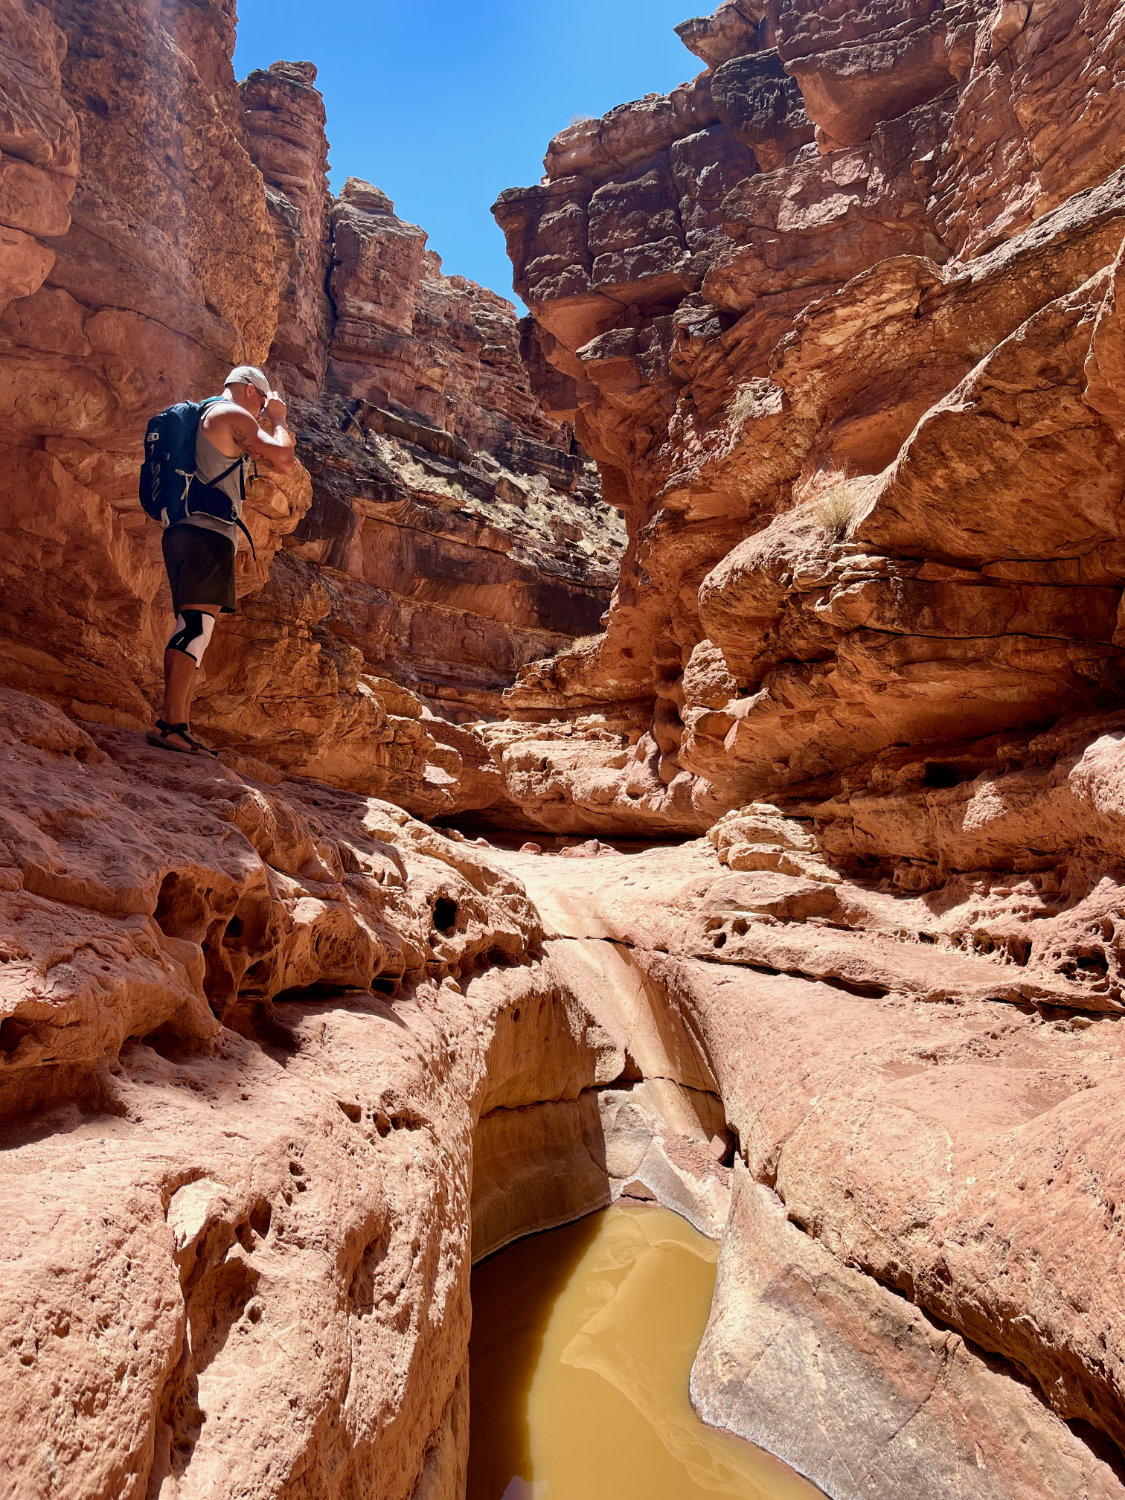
[249, 375]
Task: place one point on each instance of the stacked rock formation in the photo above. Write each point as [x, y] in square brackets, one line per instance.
[459, 532]
[842, 319]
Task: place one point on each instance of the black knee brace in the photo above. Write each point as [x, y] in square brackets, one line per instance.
[193, 634]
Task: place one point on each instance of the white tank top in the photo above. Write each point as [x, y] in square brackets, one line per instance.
[209, 464]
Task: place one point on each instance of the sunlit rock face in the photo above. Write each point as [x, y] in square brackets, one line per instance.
[459, 529]
[144, 288]
[277, 1060]
[164, 225]
[157, 279]
[237, 1232]
[925, 1103]
[148, 291]
[841, 322]
[843, 317]
[285, 126]
[839, 316]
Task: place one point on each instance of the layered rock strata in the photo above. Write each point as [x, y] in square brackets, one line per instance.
[298, 1035]
[143, 289]
[843, 318]
[839, 315]
[146, 292]
[285, 125]
[135, 215]
[257, 1274]
[841, 322]
[458, 526]
[451, 568]
[40, 145]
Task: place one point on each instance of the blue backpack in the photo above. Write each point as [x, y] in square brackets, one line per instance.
[170, 489]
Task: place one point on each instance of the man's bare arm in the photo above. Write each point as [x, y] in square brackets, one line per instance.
[234, 431]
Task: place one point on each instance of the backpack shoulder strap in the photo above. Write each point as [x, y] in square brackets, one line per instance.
[201, 410]
[230, 470]
[238, 521]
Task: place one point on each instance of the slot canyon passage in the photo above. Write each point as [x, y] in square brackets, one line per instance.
[672, 747]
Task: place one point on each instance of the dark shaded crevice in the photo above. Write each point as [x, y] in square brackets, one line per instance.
[1099, 1445]
[29, 1098]
[519, 1109]
[938, 774]
[12, 1033]
[445, 915]
[569, 937]
[628, 1080]
[848, 986]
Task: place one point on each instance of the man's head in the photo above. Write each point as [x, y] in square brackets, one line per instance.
[247, 386]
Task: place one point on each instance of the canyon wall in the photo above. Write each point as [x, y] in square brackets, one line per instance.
[917, 1281]
[400, 555]
[277, 1061]
[135, 286]
[459, 530]
[843, 318]
[842, 323]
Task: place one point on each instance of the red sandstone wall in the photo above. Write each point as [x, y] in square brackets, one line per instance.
[143, 255]
[459, 532]
[838, 312]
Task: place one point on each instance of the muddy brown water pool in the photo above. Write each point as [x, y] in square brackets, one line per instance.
[582, 1345]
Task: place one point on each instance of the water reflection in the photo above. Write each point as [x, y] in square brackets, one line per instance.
[581, 1350]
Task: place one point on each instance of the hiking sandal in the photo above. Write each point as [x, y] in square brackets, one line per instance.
[197, 745]
[161, 738]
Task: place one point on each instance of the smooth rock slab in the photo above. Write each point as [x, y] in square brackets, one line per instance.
[855, 1386]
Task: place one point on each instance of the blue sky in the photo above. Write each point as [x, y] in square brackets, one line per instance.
[444, 103]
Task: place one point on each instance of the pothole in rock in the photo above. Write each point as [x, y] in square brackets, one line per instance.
[582, 1345]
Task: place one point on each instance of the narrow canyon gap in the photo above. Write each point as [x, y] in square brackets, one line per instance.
[672, 746]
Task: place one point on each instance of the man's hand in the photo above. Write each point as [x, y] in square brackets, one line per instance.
[274, 408]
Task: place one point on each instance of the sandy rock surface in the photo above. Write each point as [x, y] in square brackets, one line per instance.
[247, 1032]
[278, 1061]
[906, 1120]
[840, 321]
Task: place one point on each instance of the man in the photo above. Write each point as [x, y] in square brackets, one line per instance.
[199, 550]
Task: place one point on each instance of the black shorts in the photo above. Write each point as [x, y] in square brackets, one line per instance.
[200, 567]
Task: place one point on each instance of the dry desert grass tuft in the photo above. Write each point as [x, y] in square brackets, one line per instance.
[838, 499]
[584, 643]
